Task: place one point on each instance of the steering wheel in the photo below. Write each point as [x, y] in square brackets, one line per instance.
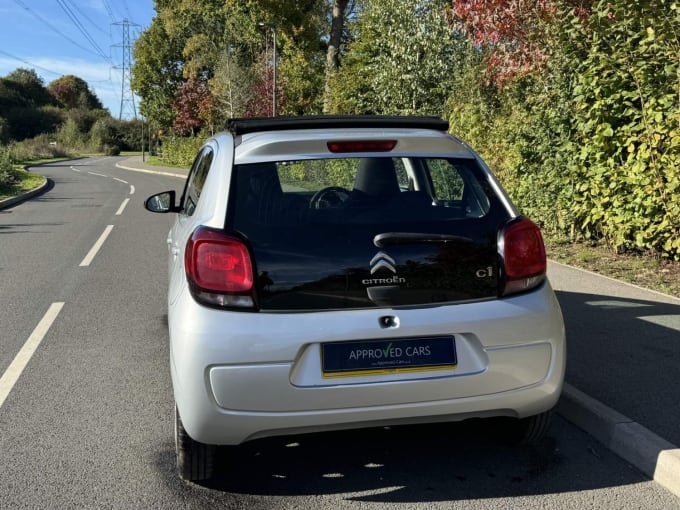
[332, 196]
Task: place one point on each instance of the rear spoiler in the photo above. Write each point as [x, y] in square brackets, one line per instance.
[252, 125]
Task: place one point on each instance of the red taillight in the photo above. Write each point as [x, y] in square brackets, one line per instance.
[362, 146]
[523, 256]
[219, 269]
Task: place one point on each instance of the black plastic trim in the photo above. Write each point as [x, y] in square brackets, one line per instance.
[252, 125]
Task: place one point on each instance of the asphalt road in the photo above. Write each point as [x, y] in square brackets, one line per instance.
[88, 423]
[623, 347]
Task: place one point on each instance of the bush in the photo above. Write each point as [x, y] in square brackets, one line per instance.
[99, 135]
[4, 130]
[70, 135]
[7, 175]
[111, 150]
[25, 123]
[40, 147]
[128, 134]
[626, 119]
[181, 151]
[588, 146]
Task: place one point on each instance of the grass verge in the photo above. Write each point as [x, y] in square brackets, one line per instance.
[645, 270]
[154, 161]
[26, 181]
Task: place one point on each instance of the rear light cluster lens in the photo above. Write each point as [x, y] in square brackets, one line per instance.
[362, 146]
[219, 269]
[524, 257]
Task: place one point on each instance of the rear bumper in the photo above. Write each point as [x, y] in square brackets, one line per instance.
[240, 376]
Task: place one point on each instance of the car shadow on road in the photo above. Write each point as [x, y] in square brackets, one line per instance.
[26, 228]
[626, 354]
[412, 464]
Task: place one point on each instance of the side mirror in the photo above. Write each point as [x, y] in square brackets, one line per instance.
[161, 202]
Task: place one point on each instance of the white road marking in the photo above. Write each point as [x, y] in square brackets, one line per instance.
[95, 173]
[132, 189]
[93, 251]
[122, 207]
[11, 375]
[75, 169]
[120, 180]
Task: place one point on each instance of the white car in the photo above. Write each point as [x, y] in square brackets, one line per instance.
[332, 272]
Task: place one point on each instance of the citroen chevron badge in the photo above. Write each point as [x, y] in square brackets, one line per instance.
[382, 259]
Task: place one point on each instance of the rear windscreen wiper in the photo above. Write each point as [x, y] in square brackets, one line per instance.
[392, 238]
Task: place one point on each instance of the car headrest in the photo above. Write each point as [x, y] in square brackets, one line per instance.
[376, 177]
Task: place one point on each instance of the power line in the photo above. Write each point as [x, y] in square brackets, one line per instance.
[43, 69]
[75, 6]
[107, 6]
[82, 29]
[43, 20]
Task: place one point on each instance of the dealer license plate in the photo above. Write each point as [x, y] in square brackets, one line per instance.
[374, 357]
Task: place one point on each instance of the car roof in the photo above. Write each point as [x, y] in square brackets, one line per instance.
[307, 137]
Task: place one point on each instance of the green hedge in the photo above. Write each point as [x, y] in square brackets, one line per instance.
[180, 151]
[590, 146]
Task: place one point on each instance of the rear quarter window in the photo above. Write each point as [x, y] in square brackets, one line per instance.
[196, 180]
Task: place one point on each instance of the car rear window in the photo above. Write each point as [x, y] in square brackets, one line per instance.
[360, 190]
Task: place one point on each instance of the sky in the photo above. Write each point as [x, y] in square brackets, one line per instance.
[79, 37]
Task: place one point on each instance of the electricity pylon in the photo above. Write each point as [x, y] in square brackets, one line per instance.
[127, 98]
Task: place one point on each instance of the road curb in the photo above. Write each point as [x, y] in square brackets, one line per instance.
[654, 456]
[155, 172]
[22, 197]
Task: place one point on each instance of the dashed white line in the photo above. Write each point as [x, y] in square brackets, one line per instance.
[11, 375]
[120, 180]
[132, 189]
[95, 173]
[75, 169]
[122, 207]
[93, 251]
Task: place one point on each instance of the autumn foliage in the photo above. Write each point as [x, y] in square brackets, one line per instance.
[515, 32]
[193, 104]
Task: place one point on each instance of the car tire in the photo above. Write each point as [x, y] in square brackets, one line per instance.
[528, 431]
[195, 460]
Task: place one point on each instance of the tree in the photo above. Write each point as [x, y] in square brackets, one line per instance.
[300, 89]
[260, 103]
[232, 87]
[193, 104]
[402, 61]
[29, 86]
[4, 130]
[74, 92]
[25, 106]
[338, 12]
[224, 44]
[157, 72]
